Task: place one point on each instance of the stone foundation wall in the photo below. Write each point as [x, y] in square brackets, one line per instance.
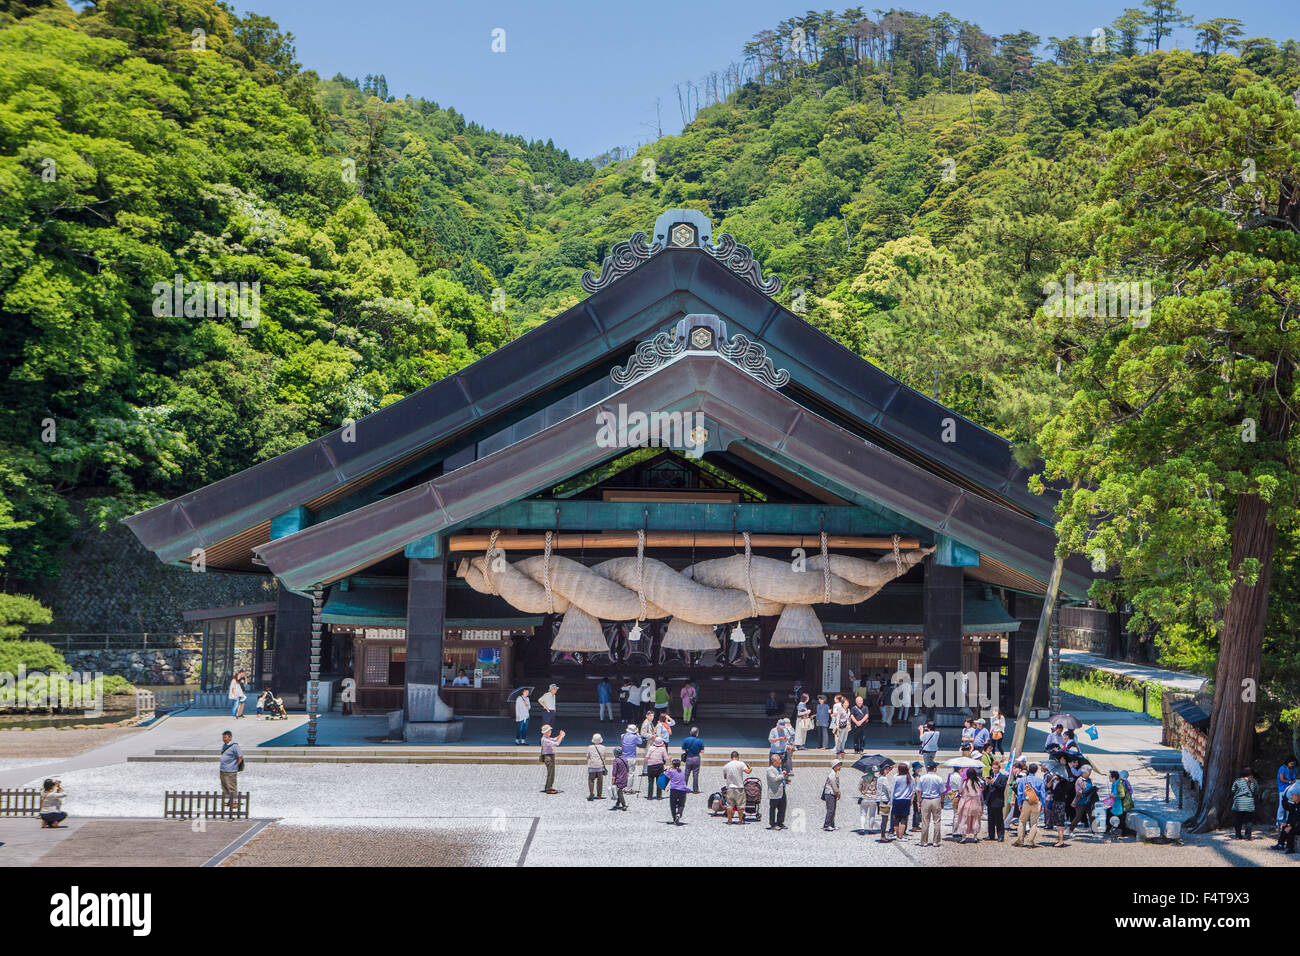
[1085, 639]
[143, 665]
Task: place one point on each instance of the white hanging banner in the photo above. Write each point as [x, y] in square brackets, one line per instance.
[831, 671]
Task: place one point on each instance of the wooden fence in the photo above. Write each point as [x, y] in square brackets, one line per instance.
[208, 804]
[149, 702]
[20, 803]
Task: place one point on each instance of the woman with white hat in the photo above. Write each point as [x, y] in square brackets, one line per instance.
[596, 769]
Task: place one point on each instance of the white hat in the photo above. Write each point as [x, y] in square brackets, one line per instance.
[546, 728]
[631, 728]
[597, 739]
[836, 762]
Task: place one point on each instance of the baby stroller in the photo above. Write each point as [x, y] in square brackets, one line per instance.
[717, 801]
[753, 798]
[273, 707]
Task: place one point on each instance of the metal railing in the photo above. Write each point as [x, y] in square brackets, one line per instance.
[119, 640]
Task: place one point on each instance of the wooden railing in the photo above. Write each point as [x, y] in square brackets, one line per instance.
[161, 700]
[208, 804]
[20, 803]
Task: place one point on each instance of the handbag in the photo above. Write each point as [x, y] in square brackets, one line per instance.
[603, 769]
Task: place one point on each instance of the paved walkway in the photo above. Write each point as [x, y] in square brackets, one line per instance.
[1174, 680]
[200, 730]
[119, 842]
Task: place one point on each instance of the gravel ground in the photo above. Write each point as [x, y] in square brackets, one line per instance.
[58, 741]
[495, 815]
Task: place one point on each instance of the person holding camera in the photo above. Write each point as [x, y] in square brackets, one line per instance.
[52, 812]
[549, 744]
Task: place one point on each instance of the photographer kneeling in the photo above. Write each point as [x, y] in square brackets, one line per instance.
[52, 812]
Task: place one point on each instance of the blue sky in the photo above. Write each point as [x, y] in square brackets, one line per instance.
[586, 73]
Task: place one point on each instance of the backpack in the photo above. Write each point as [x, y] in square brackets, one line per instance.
[1031, 796]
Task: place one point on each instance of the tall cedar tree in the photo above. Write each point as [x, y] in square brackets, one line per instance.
[1182, 427]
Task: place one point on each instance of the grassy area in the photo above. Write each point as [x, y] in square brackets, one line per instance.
[1115, 696]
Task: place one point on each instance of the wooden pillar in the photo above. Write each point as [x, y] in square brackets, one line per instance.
[289, 666]
[292, 641]
[942, 617]
[426, 612]
[1054, 663]
[1020, 645]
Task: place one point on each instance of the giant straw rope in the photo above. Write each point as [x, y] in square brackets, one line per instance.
[711, 592]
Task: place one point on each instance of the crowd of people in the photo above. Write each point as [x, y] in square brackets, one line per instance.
[987, 794]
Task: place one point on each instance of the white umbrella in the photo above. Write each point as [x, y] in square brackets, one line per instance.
[962, 762]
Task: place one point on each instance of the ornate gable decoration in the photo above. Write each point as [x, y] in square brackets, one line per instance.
[681, 229]
[700, 333]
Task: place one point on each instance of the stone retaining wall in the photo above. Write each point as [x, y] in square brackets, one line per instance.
[145, 665]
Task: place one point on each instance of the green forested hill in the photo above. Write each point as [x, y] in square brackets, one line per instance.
[913, 180]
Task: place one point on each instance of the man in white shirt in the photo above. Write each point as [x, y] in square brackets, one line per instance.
[523, 707]
[931, 788]
[929, 744]
[887, 704]
[547, 701]
[903, 697]
[630, 695]
[733, 776]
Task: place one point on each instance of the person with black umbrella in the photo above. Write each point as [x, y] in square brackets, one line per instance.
[523, 708]
[868, 802]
